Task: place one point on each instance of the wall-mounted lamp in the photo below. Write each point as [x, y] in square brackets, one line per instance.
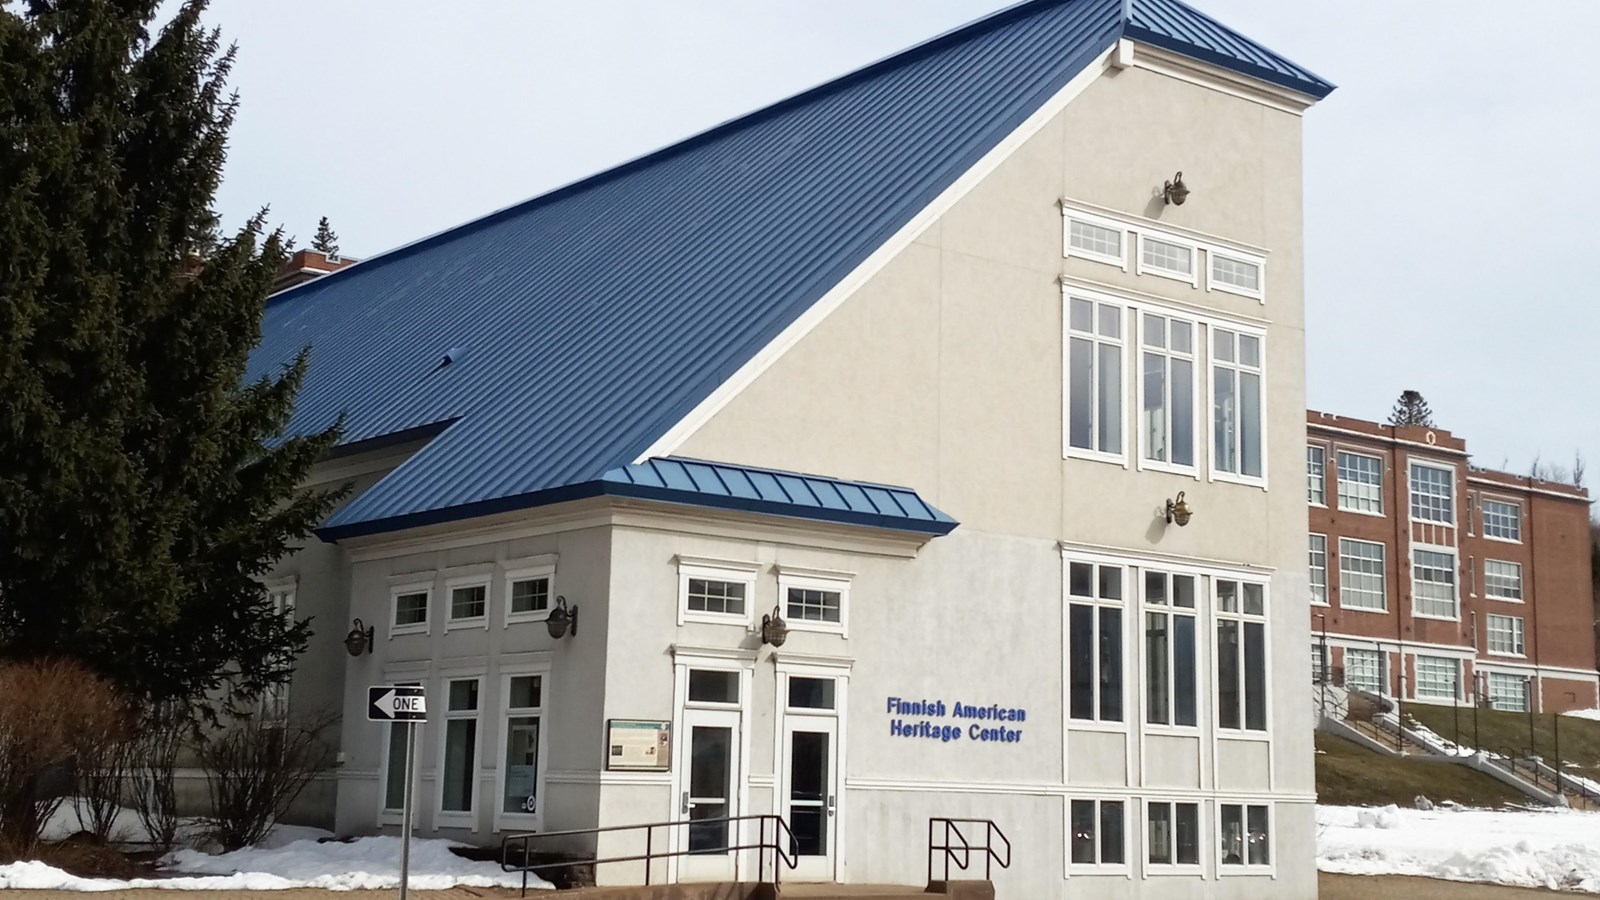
[1175, 191]
[359, 640]
[774, 630]
[561, 617]
[1178, 511]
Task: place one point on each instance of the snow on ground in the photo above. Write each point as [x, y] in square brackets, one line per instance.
[1553, 848]
[1592, 715]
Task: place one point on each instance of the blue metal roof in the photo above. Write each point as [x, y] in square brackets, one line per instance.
[1176, 26]
[583, 324]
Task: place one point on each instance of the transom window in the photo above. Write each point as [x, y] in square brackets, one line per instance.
[1236, 363]
[1094, 240]
[1361, 575]
[409, 609]
[1245, 835]
[1169, 635]
[1438, 677]
[1241, 655]
[1502, 520]
[1433, 494]
[1319, 569]
[1502, 580]
[1167, 416]
[1094, 376]
[1094, 641]
[715, 594]
[1508, 692]
[1360, 483]
[1316, 476]
[1505, 636]
[1235, 275]
[1166, 258]
[1098, 833]
[1433, 576]
[814, 603]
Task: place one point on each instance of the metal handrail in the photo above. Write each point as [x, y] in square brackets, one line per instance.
[787, 857]
[952, 827]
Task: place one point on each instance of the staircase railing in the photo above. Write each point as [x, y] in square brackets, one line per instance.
[994, 840]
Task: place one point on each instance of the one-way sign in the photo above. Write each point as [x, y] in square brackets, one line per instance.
[396, 703]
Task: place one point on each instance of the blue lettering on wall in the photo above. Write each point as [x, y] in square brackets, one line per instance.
[913, 719]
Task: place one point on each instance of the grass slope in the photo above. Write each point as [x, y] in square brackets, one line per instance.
[1351, 775]
[1502, 731]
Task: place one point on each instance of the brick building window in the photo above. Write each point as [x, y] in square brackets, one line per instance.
[1508, 693]
[1433, 494]
[1364, 670]
[1360, 483]
[1505, 636]
[1502, 580]
[1361, 577]
[1319, 569]
[1316, 476]
[1502, 520]
[1438, 678]
[1433, 578]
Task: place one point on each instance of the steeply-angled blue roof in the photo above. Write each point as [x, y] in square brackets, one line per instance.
[554, 341]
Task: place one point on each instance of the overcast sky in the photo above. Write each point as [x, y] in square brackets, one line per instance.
[1451, 181]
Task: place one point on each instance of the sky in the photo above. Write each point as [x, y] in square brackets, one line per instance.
[1455, 167]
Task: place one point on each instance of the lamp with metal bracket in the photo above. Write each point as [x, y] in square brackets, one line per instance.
[359, 640]
[774, 630]
[1178, 511]
[1175, 191]
[560, 618]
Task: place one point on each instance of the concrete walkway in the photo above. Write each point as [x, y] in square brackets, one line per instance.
[1390, 887]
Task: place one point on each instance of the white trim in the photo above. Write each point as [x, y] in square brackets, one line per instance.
[1502, 486]
[1226, 870]
[1327, 581]
[1196, 375]
[417, 587]
[1148, 868]
[510, 577]
[1125, 359]
[1214, 470]
[1260, 264]
[452, 585]
[1144, 223]
[443, 818]
[741, 574]
[680, 432]
[1383, 574]
[1484, 498]
[832, 584]
[1191, 277]
[1124, 868]
[1455, 499]
[1188, 69]
[504, 821]
[1315, 445]
[1381, 438]
[1179, 306]
[1455, 578]
[1200, 564]
[1057, 789]
[1069, 215]
[779, 780]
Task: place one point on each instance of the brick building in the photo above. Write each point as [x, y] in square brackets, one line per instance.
[1440, 581]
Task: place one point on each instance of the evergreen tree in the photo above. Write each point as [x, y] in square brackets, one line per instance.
[144, 485]
[1411, 409]
[325, 241]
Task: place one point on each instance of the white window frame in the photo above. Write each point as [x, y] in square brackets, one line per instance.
[417, 587]
[1483, 508]
[1495, 698]
[504, 821]
[717, 570]
[1455, 583]
[1070, 252]
[1217, 473]
[1212, 284]
[1339, 481]
[1172, 612]
[1411, 491]
[1418, 681]
[414, 675]
[1228, 870]
[1098, 867]
[1097, 603]
[451, 585]
[547, 571]
[444, 818]
[1383, 573]
[1242, 618]
[274, 701]
[1379, 660]
[1322, 475]
[1197, 373]
[1191, 278]
[1313, 551]
[1516, 636]
[1096, 340]
[1488, 593]
[811, 580]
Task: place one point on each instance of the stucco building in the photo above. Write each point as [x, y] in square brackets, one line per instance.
[1441, 582]
[665, 405]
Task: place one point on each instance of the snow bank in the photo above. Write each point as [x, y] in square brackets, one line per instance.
[365, 863]
[1592, 715]
[1557, 848]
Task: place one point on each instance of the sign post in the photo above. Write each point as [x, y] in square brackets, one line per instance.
[401, 703]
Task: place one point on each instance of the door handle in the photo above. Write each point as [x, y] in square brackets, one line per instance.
[685, 809]
[830, 804]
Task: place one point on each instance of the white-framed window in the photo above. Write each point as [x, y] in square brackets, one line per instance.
[1505, 636]
[1102, 240]
[1173, 834]
[1241, 611]
[1502, 580]
[1365, 670]
[519, 785]
[1320, 664]
[1167, 390]
[1094, 378]
[1438, 677]
[1098, 833]
[717, 593]
[1168, 257]
[408, 608]
[467, 602]
[1360, 483]
[1244, 832]
[1316, 475]
[1094, 641]
[1170, 651]
[1433, 583]
[392, 802]
[458, 773]
[814, 602]
[1502, 521]
[1508, 693]
[1235, 275]
[1361, 575]
[1433, 493]
[1319, 569]
[275, 698]
[1236, 399]
[528, 593]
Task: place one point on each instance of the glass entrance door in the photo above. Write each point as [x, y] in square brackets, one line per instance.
[709, 794]
[809, 791]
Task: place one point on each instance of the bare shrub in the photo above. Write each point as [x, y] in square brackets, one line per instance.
[48, 707]
[103, 752]
[255, 769]
[152, 764]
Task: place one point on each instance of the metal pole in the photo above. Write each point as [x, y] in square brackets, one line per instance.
[405, 814]
[1400, 703]
[1527, 693]
[1555, 723]
[1477, 701]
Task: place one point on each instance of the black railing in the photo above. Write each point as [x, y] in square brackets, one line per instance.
[1526, 765]
[952, 832]
[782, 845]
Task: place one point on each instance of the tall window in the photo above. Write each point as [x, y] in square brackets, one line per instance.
[524, 710]
[275, 699]
[1094, 635]
[1508, 692]
[394, 764]
[1361, 575]
[1364, 670]
[1433, 494]
[1169, 637]
[1098, 833]
[1245, 835]
[1360, 483]
[1236, 402]
[1319, 569]
[1316, 476]
[1502, 580]
[1433, 581]
[1505, 636]
[1438, 678]
[1094, 376]
[1174, 833]
[1241, 655]
[1168, 414]
[460, 746]
[1502, 520]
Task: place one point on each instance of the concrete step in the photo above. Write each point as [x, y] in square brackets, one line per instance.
[960, 890]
